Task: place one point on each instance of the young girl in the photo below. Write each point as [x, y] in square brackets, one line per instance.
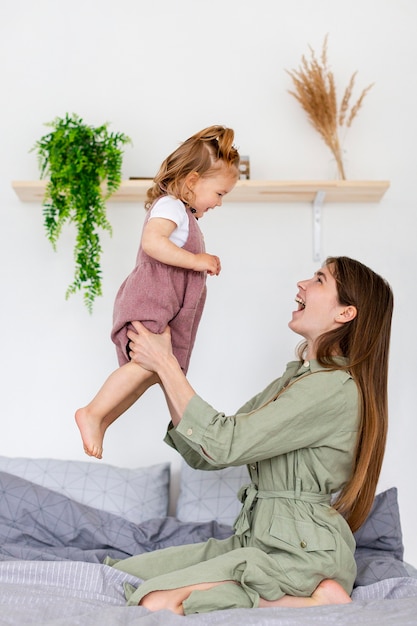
[313, 441]
[168, 284]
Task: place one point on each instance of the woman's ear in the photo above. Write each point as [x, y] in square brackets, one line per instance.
[347, 315]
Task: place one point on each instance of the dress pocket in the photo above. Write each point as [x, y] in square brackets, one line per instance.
[302, 534]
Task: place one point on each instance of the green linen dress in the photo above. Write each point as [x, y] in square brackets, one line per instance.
[299, 450]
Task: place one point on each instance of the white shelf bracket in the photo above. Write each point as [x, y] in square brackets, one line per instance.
[317, 207]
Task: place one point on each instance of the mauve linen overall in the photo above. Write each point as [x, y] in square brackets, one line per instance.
[157, 294]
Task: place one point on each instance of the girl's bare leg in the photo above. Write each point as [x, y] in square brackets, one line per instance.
[122, 388]
[328, 592]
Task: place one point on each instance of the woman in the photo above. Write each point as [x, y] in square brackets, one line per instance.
[314, 435]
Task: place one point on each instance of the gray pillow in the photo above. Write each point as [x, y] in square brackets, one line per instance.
[379, 542]
[210, 495]
[136, 494]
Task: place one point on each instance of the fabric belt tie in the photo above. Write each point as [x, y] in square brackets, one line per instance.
[248, 494]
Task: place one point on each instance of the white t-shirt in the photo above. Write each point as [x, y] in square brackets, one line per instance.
[172, 209]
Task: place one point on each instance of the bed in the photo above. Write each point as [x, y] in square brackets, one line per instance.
[60, 519]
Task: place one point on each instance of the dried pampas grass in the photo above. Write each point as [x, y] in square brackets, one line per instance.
[315, 90]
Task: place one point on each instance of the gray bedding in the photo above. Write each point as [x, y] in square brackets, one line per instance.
[51, 549]
[66, 593]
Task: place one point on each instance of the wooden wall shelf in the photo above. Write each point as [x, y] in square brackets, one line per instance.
[316, 192]
[245, 191]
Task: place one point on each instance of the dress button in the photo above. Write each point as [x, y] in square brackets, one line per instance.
[189, 432]
[303, 544]
[253, 467]
[306, 363]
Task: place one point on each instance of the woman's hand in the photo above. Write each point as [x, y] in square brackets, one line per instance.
[154, 352]
[149, 349]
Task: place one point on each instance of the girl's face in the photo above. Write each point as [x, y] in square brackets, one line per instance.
[208, 192]
[319, 309]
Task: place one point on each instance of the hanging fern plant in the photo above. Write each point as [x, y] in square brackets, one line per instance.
[84, 168]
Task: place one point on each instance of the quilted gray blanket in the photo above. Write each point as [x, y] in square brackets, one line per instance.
[42, 525]
[51, 571]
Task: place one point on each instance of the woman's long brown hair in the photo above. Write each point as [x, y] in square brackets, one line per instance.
[203, 153]
[364, 341]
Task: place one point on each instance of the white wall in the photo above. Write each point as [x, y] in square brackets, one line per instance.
[159, 71]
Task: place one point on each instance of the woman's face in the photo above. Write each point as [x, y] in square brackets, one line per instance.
[318, 309]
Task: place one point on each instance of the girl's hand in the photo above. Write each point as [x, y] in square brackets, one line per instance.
[207, 263]
[149, 349]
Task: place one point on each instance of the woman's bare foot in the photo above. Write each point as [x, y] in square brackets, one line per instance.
[172, 599]
[330, 592]
[327, 592]
[92, 433]
[169, 599]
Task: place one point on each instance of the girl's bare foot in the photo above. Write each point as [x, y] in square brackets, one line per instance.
[92, 433]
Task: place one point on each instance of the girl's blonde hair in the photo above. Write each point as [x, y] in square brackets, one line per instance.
[364, 341]
[203, 153]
